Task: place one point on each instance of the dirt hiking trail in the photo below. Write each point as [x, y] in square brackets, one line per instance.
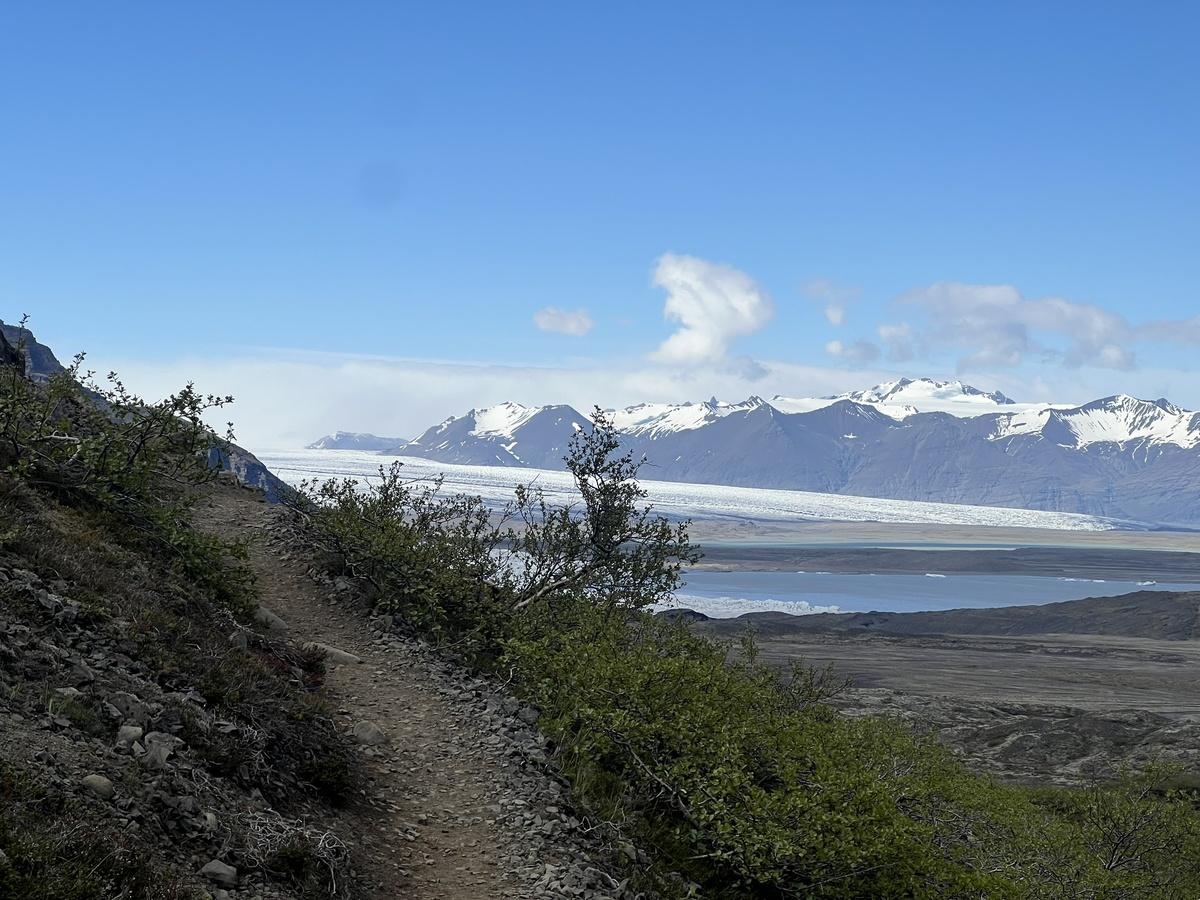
[459, 804]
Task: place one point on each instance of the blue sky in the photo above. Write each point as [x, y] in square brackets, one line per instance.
[376, 200]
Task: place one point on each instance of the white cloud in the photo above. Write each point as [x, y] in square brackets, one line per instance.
[832, 296]
[713, 304]
[564, 321]
[857, 353]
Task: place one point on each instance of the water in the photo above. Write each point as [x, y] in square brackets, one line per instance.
[725, 594]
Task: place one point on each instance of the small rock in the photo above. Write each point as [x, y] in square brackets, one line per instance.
[220, 874]
[334, 655]
[269, 620]
[529, 715]
[369, 733]
[238, 639]
[99, 786]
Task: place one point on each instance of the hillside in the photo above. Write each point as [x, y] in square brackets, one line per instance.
[41, 365]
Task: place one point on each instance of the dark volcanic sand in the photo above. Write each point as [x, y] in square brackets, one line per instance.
[1040, 707]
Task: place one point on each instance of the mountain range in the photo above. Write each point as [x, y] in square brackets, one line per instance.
[911, 439]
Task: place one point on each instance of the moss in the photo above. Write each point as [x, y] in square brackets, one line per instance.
[80, 712]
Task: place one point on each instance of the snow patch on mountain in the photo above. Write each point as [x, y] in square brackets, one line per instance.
[502, 420]
[657, 419]
[1123, 419]
[907, 397]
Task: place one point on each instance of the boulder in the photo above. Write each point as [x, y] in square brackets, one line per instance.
[220, 874]
[158, 750]
[334, 655]
[99, 786]
[269, 620]
[369, 734]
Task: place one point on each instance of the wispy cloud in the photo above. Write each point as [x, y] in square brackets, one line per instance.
[575, 322]
[996, 326]
[857, 353]
[833, 297]
[899, 341]
[714, 304]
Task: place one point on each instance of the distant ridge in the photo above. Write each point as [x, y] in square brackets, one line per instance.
[912, 439]
[1162, 615]
[353, 440]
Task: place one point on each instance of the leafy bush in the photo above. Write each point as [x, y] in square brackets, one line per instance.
[430, 557]
[614, 551]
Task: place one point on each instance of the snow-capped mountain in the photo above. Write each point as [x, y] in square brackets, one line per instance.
[508, 434]
[921, 392]
[1121, 420]
[912, 439]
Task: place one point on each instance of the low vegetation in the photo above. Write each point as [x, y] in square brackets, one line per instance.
[48, 851]
[715, 776]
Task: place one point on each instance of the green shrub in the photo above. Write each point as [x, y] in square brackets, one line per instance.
[459, 572]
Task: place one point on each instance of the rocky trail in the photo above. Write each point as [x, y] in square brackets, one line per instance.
[460, 803]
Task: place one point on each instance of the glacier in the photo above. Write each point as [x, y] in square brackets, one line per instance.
[683, 499]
